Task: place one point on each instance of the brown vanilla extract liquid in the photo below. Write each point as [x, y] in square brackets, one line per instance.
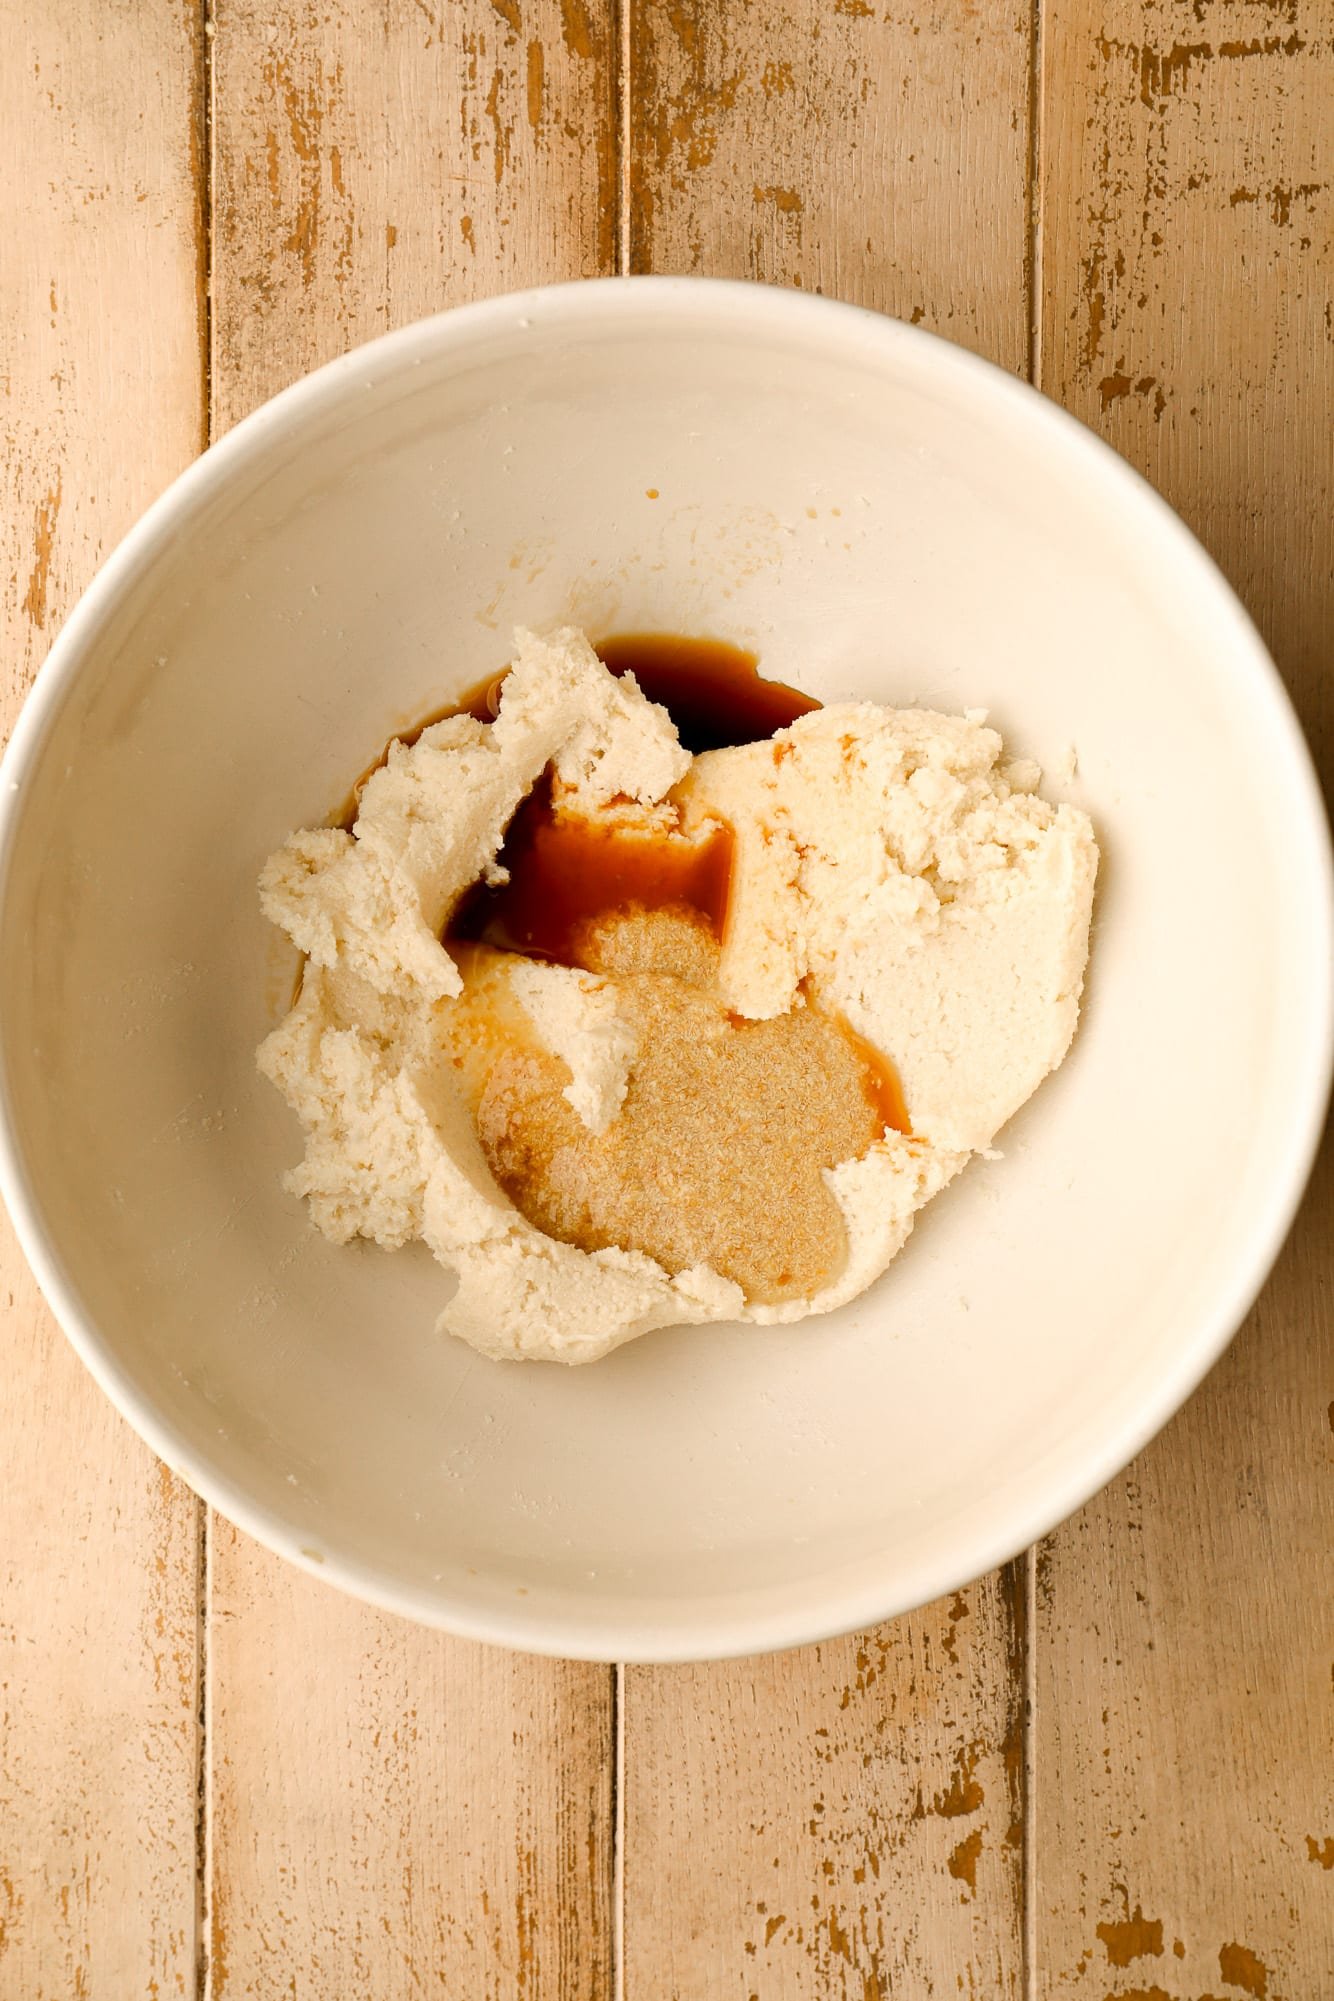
[713, 692]
[566, 874]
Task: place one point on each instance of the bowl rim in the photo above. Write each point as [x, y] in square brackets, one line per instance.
[813, 1615]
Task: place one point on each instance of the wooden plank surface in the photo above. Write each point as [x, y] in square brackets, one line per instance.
[1185, 1629]
[373, 166]
[879, 154]
[394, 1813]
[842, 1820]
[100, 362]
[845, 1820]
[390, 1813]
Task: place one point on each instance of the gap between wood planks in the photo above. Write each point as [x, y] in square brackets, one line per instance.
[1028, 1693]
[204, 1913]
[618, 1833]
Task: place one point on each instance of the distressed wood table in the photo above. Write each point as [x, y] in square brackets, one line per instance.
[1102, 1772]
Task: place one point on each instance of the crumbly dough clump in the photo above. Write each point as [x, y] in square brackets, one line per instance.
[889, 869]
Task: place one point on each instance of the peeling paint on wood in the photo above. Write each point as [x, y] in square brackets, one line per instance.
[1184, 1628]
[1188, 210]
[483, 134]
[1135, 1937]
[828, 1823]
[392, 1812]
[845, 1821]
[871, 153]
[99, 369]
[386, 1811]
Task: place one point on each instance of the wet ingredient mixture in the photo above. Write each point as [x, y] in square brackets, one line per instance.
[640, 1017]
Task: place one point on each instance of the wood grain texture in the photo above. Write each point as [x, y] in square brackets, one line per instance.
[389, 1813]
[876, 153]
[100, 362]
[394, 1813]
[843, 1821]
[1185, 1723]
[1188, 232]
[372, 165]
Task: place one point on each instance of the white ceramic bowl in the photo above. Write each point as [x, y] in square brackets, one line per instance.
[883, 516]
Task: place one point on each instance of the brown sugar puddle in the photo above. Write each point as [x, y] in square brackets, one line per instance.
[719, 1151]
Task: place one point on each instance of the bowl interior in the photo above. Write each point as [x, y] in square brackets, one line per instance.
[881, 517]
